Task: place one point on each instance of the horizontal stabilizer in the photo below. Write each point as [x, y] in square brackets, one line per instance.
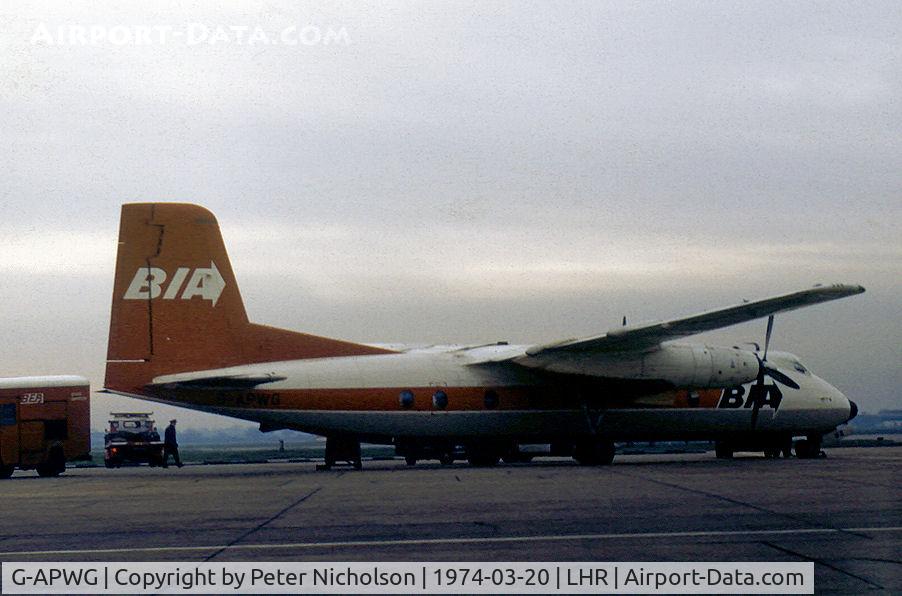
[219, 382]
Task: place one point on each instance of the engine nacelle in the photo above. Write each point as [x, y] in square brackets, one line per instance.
[680, 365]
[700, 366]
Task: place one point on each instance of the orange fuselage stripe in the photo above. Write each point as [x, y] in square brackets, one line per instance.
[459, 399]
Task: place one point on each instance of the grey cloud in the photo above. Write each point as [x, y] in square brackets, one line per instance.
[467, 172]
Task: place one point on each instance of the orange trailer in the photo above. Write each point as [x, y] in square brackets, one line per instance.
[44, 422]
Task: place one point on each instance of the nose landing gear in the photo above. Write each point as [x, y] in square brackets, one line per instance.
[809, 448]
[773, 448]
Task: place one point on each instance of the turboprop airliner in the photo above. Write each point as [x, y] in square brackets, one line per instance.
[179, 334]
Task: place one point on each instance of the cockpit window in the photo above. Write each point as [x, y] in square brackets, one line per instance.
[798, 366]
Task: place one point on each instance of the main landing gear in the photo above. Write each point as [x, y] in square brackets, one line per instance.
[6, 470]
[478, 453]
[413, 451]
[483, 455]
[594, 452]
[807, 448]
[342, 451]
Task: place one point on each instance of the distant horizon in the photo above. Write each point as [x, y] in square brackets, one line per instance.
[251, 430]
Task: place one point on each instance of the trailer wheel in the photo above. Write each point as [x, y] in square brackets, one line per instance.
[47, 470]
[54, 465]
[6, 471]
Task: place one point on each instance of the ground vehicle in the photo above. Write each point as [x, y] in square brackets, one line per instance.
[44, 422]
[132, 437]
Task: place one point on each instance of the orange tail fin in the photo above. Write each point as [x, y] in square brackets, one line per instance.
[177, 308]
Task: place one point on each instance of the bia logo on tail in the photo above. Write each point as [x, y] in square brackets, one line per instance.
[150, 283]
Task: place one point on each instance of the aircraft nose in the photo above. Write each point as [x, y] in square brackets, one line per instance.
[853, 410]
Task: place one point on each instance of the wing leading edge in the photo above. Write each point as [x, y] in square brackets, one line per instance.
[645, 336]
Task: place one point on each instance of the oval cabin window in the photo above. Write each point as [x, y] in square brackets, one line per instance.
[406, 399]
[491, 399]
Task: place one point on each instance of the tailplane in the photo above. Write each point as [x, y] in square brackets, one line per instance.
[177, 308]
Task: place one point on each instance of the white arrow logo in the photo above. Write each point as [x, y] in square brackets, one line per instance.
[148, 284]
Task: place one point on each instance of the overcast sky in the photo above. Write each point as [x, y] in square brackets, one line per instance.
[463, 172]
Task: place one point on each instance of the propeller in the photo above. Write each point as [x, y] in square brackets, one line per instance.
[765, 370]
[770, 329]
[776, 375]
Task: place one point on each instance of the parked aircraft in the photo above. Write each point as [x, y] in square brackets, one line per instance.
[179, 334]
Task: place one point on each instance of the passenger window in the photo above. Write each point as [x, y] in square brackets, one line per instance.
[440, 400]
[406, 399]
[491, 399]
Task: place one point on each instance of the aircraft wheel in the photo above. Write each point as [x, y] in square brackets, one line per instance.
[483, 459]
[772, 453]
[483, 456]
[6, 471]
[410, 460]
[786, 448]
[723, 450]
[511, 457]
[484, 453]
[808, 448]
[446, 458]
[594, 453]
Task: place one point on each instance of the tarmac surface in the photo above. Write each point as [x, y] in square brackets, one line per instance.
[844, 513]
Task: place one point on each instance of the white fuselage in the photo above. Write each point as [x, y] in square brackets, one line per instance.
[359, 395]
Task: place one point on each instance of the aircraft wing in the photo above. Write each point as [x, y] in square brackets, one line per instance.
[645, 336]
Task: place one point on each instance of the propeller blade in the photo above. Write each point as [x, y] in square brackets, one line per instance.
[758, 386]
[770, 328]
[780, 377]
